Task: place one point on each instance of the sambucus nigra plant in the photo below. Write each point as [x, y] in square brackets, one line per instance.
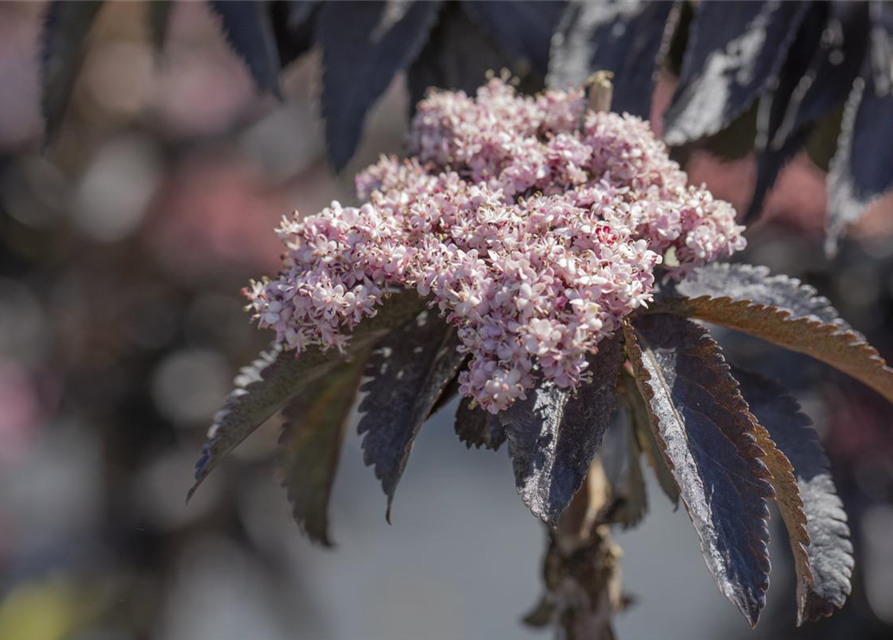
[547, 263]
[561, 267]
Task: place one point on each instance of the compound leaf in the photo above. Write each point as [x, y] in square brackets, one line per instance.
[735, 50]
[410, 370]
[829, 552]
[310, 445]
[783, 311]
[249, 31]
[707, 437]
[554, 433]
[622, 37]
[364, 45]
[264, 386]
[65, 28]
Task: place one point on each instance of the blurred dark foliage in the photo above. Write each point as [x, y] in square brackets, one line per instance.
[767, 78]
[108, 321]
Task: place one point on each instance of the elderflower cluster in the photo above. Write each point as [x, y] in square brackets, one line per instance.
[533, 230]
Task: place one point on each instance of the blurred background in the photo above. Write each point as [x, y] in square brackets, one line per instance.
[123, 248]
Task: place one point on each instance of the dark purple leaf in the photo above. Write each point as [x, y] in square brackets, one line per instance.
[522, 30]
[457, 56]
[862, 168]
[617, 36]
[364, 45]
[294, 24]
[262, 388]
[771, 157]
[554, 433]
[310, 445]
[821, 145]
[410, 370]
[65, 28]
[769, 163]
[299, 12]
[646, 441]
[449, 393]
[630, 493]
[830, 552]
[267, 384]
[881, 44]
[249, 31]
[735, 50]
[783, 311]
[479, 428]
[816, 78]
[834, 66]
[707, 437]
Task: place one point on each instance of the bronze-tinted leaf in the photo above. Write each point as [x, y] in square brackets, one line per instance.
[627, 38]
[830, 552]
[783, 311]
[554, 433]
[364, 45]
[790, 505]
[263, 387]
[706, 436]
[310, 445]
[65, 28]
[410, 369]
[735, 49]
[477, 427]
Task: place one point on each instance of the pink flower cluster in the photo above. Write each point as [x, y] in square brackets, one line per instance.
[533, 229]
